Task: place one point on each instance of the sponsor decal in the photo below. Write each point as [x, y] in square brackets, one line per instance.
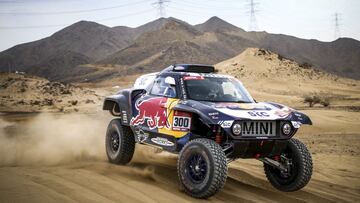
[124, 117]
[296, 124]
[193, 78]
[181, 121]
[240, 106]
[284, 112]
[258, 114]
[226, 124]
[213, 113]
[141, 135]
[182, 85]
[262, 138]
[162, 141]
[211, 75]
[152, 111]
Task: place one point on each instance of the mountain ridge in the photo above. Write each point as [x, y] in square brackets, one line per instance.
[145, 48]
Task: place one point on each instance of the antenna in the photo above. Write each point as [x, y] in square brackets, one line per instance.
[337, 19]
[160, 6]
[252, 11]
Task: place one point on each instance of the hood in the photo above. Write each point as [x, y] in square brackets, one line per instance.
[217, 112]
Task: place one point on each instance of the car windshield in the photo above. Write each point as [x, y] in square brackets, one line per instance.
[216, 89]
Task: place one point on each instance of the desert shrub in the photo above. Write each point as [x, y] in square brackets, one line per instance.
[305, 65]
[312, 100]
[261, 52]
[317, 99]
[325, 102]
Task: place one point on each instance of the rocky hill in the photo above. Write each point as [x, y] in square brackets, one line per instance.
[92, 52]
[24, 93]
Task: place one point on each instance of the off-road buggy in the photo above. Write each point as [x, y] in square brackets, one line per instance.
[210, 120]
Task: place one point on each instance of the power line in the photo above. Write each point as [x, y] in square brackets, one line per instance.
[337, 25]
[252, 11]
[74, 11]
[160, 6]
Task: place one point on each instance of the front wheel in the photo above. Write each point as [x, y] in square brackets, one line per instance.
[202, 168]
[119, 143]
[297, 159]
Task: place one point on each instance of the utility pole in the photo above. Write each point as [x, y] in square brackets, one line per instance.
[252, 11]
[337, 25]
[160, 6]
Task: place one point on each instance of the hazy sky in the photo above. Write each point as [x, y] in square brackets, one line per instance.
[28, 20]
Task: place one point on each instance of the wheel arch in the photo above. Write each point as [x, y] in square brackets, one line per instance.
[119, 106]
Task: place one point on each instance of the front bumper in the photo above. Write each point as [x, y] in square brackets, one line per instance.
[257, 148]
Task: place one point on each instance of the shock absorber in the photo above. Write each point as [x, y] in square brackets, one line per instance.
[218, 136]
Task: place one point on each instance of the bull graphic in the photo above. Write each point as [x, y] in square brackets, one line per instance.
[153, 111]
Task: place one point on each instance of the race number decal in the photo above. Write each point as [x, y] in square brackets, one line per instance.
[181, 121]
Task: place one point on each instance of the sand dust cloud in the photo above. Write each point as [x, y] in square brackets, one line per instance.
[52, 139]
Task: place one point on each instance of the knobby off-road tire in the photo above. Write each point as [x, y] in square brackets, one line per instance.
[119, 143]
[301, 168]
[202, 168]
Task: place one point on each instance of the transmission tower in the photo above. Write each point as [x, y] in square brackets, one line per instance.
[160, 6]
[337, 25]
[252, 11]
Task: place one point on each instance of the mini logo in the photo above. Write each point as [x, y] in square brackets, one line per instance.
[162, 141]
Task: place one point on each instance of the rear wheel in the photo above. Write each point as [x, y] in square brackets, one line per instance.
[202, 168]
[297, 159]
[119, 143]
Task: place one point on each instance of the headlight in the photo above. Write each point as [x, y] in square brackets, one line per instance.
[236, 129]
[286, 129]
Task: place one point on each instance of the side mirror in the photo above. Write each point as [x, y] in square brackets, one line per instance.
[170, 81]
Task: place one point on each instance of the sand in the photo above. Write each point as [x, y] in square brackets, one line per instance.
[64, 161]
[60, 157]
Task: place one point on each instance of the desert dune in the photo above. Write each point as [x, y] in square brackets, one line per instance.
[52, 156]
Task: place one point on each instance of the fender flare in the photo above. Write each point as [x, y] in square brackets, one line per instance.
[119, 106]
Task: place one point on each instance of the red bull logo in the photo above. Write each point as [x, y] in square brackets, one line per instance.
[153, 111]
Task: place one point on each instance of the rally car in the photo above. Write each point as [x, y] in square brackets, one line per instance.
[209, 120]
